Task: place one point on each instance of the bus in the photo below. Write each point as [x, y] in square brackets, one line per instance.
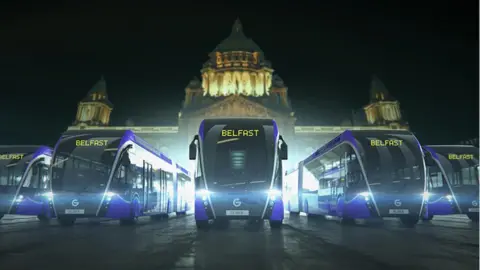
[360, 175]
[238, 171]
[453, 177]
[24, 187]
[113, 174]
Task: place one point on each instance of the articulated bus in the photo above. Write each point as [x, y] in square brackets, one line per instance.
[239, 171]
[361, 175]
[453, 177]
[114, 174]
[24, 187]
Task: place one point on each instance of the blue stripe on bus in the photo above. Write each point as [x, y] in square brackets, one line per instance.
[200, 130]
[182, 169]
[434, 154]
[130, 136]
[42, 150]
[345, 136]
[275, 130]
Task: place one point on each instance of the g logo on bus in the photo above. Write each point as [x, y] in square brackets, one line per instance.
[474, 203]
[75, 202]
[237, 202]
[397, 203]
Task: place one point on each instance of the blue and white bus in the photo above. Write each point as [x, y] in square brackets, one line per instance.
[238, 171]
[24, 187]
[114, 174]
[452, 173]
[360, 175]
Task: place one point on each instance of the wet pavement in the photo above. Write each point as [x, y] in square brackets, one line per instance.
[176, 244]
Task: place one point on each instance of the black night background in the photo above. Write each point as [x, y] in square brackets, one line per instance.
[426, 55]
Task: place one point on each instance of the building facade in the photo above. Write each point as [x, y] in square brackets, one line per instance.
[238, 81]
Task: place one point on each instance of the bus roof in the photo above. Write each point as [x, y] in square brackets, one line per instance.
[35, 149]
[434, 149]
[350, 135]
[126, 135]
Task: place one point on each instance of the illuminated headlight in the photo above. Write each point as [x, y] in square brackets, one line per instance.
[365, 195]
[426, 195]
[449, 197]
[48, 195]
[109, 195]
[273, 194]
[203, 193]
[19, 198]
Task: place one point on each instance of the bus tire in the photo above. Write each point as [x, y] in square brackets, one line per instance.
[276, 224]
[66, 221]
[294, 214]
[473, 217]
[202, 224]
[2, 215]
[409, 221]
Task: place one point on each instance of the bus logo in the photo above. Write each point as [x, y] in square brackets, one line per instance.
[237, 202]
[75, 203]
[475, 203]
[397, 203]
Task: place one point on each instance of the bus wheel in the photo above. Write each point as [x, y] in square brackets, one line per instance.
[43, 218]
[473, 217]
[409, 221]
[202, 224]
[294, 214]
[66, 221]
[275, 224]
[1, 216]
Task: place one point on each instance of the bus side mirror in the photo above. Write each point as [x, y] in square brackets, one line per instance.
[192, 151]
[429, 160]
[126, 160]
[284, 151]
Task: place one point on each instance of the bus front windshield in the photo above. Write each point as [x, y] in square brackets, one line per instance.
[239, 158]
[392, 157]
[460, 164]
[12, 167]
[83, 163]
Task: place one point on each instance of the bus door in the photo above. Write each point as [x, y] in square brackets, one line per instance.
[170, 190]
[149, 195]
[333, 195]
[32, 187]
[180, 193]
[163, 191]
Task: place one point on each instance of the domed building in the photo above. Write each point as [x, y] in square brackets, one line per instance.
[238, 81]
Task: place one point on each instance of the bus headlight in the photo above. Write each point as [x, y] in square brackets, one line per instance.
[203, 193]
[426, 195]
[449, 197]
[19, 198]
[365, 195]
[273, 194]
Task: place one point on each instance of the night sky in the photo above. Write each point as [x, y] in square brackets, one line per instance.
[426, 55]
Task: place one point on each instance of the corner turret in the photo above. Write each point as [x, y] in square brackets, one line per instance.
[95, 108]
